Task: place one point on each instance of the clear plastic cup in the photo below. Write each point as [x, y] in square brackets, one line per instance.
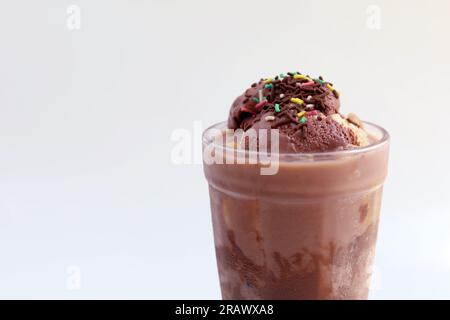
[307, 232]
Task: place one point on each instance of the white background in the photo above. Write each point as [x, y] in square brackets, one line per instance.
[88, 190]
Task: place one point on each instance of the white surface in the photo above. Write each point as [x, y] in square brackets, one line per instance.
[86, 178]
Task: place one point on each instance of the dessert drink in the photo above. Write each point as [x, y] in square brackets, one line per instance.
[309, 230]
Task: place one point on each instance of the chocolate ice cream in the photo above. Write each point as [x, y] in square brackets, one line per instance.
[305, 110]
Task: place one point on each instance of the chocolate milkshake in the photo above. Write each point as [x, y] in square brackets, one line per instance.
[309, 231]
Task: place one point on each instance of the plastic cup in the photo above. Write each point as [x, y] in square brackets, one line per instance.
[307, 232]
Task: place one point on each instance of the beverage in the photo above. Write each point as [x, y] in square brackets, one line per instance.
[309, 231]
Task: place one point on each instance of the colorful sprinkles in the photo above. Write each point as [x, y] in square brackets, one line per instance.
[320, 81]
[297, 101]
[300, 76]
[261, 105]
[305, 95]
[301, 114]
[306, 84]
[261, 97]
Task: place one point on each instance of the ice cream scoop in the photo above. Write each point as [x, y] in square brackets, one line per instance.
[304, 109]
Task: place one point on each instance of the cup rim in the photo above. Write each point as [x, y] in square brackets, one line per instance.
[317, 155]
